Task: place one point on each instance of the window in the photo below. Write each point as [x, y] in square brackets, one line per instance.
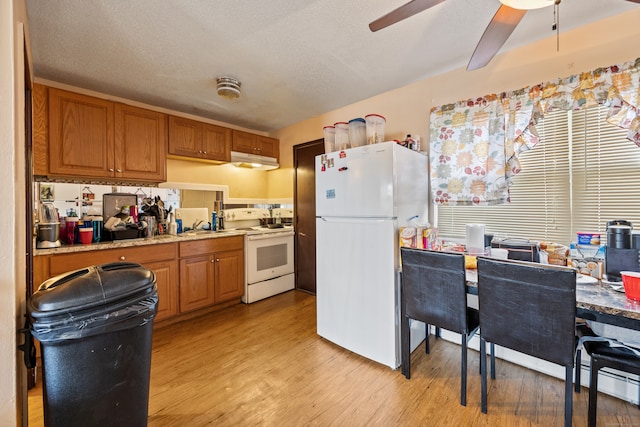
[583, 173]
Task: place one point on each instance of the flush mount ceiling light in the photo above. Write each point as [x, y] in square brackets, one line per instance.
[228, 87]
[528, 4]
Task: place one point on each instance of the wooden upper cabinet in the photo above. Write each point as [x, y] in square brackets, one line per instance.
[95, 138]
[216, 142]
[81, 140]
[269, 147]
[190, 138]
[250, 143]
[140, 144]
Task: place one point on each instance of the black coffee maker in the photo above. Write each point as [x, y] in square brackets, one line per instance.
[622, 251]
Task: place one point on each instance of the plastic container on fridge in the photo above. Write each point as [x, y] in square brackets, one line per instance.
[357, 132]
[329, 138]
[375, 128]
[342, 135]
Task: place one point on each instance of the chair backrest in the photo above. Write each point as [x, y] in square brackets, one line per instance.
[434, 288]
[528, 307]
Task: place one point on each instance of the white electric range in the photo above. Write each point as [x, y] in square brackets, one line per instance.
[268, 249]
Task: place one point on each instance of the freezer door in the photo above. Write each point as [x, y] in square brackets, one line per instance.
[356, 287]
[356, 182]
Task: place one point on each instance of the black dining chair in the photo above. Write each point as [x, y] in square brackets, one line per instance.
[529, 308]
[604, 353]
[434, 291]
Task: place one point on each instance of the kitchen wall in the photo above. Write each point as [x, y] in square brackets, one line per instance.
[607, 42]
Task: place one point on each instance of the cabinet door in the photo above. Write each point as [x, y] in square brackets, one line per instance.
[229, 281]
[196, 282]
[81, 141]
[269, 147]
[185, 137]
[140, 144]
[243, 142]
[167, 283]
[216, 142]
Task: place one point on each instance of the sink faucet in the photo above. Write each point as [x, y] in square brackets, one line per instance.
[196, 224]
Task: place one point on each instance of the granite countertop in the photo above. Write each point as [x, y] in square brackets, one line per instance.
[127, 243]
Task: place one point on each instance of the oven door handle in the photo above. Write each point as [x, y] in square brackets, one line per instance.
[269, 235]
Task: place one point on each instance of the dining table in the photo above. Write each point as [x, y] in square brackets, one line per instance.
[596, 300]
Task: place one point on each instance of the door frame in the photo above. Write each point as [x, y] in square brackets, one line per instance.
[296, 149]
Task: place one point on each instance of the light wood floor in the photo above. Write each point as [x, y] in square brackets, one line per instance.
[264, 365]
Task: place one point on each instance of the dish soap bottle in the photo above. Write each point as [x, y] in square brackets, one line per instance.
[173, 226]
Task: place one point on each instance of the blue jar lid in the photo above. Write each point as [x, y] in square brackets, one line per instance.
[359, 119]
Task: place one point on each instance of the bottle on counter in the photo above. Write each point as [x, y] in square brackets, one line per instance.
[173, 225]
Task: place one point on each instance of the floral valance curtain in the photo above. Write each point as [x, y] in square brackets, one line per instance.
[474, 144]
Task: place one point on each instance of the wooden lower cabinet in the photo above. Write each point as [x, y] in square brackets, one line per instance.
[211, 271]
[166, 280]
[161, 259]
[189, 275]
[196, 282]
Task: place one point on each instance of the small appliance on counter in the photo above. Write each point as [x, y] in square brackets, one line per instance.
[621, 253]
[48, 235]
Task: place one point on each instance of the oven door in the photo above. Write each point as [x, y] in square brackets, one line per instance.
[269, 255]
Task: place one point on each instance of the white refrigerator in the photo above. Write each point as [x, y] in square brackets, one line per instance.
[363, 195]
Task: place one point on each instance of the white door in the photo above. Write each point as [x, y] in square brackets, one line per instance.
[356, 291]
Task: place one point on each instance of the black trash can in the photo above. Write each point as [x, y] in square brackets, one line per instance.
[95, 327]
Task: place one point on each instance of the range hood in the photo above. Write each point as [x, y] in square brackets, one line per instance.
[253, 161]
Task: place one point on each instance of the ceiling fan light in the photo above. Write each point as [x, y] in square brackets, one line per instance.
[527, 4]
[228, 87]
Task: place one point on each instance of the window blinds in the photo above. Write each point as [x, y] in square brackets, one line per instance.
[583, 173]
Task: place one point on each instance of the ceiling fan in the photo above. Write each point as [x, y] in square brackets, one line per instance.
[495, 35]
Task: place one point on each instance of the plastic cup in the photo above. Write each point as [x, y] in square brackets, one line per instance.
[86, 235]
[329, 139]
[375, 128]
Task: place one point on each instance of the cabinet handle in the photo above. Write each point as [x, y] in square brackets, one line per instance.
[204, 152]
[110, 169]
[119, 170]
[217, 259]
[122, 258]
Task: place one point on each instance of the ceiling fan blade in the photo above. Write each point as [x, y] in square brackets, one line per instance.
[495, 35]
[634, 1]
[403, 12]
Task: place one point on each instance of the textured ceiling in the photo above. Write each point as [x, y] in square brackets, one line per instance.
[296, 59]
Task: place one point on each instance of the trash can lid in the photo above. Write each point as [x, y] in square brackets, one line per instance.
[91, 287]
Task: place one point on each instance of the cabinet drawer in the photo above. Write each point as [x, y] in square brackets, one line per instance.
[207, 246]
[59, 264]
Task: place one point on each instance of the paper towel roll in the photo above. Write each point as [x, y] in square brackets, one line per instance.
[475, 239]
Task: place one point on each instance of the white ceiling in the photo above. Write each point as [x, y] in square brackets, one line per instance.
[296, 59]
